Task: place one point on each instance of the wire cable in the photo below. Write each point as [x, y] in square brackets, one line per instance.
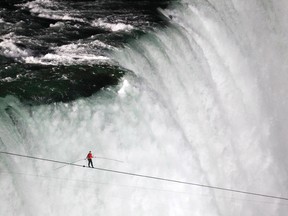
[69, 164]
[150, 177]
[222, 197]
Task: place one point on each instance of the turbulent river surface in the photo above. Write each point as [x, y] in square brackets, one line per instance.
[183, 104]
[55, 51]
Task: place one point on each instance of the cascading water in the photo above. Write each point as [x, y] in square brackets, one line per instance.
[204, 102]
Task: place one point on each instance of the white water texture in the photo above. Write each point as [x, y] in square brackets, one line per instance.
[205, 102]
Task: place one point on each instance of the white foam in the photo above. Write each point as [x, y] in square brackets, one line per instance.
[65, 54]
[57, 25]
[41, 9]
[49, 15]
[100, 44]
[56, 59]
[112, 26]
[125, 87]
[7, 79]
[10, 49]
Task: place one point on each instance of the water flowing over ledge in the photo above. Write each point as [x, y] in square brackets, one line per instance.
[203, 99]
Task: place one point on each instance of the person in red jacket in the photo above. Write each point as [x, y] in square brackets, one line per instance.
[89, 158]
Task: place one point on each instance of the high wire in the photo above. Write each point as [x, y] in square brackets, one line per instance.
[150, 177]
[142, 188]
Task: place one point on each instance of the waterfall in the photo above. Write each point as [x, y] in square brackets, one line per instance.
[204, 101]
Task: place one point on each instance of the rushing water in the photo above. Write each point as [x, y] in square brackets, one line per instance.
[200, 97]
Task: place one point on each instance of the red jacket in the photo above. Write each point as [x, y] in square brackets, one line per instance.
[89, 156]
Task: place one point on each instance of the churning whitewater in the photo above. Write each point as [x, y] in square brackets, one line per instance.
[202, 100]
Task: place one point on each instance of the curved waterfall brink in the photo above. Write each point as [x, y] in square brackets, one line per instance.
[203, 100]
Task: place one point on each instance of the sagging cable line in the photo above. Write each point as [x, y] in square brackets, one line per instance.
[69, 164]
[151, 177]
[141, 188]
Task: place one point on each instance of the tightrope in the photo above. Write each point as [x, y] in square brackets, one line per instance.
[149, 177]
